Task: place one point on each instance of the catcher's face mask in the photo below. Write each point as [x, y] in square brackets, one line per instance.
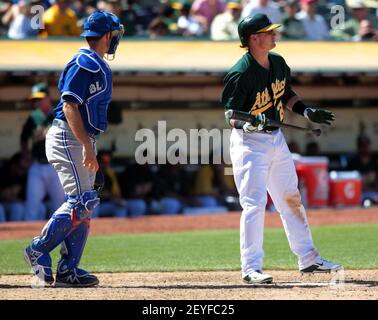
[116, 37]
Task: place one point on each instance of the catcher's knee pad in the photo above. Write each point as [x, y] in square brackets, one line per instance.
[53, 233]
[83, 205]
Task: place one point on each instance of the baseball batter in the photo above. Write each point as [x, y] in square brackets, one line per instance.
[259, 83]
[85, 88]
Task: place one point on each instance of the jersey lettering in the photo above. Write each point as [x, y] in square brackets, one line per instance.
[280, 110]
[94, 87]
[263, 99]
[278, 88]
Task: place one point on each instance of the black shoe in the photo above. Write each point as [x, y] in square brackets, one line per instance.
[75, 278]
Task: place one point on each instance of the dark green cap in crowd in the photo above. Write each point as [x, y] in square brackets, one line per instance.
[39, 91]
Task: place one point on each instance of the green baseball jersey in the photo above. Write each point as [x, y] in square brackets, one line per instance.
[250, 87]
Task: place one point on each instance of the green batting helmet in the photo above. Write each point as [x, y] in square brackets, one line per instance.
[254, 24]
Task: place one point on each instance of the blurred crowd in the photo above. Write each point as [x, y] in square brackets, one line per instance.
[30, 189]
[136, 190]
[315, 20]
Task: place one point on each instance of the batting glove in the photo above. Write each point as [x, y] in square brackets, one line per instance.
[319, 116]
[256, 125]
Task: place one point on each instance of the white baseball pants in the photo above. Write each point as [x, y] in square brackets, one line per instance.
[262, 162]
[65, 153]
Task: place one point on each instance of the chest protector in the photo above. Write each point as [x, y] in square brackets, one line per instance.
[95, 107]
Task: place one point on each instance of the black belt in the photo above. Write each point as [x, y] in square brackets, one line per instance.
[64, 125]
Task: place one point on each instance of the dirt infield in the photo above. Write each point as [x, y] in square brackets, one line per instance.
[203, 286]
[217, 285]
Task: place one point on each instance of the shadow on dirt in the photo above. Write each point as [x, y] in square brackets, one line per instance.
[274, 285]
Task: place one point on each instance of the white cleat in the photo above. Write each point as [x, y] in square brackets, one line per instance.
[257, 277]
[322, 266]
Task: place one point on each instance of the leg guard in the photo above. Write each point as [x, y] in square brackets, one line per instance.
[68, 273]
[37, 254]
[73, 247]
[54, 232]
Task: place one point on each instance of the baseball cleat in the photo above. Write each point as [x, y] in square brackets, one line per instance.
[323, 266]
[40, 264]
[75, 278]
[257, 277]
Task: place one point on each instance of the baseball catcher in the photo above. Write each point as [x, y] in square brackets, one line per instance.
[85, 88]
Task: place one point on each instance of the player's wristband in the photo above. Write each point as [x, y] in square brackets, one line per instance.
[299, 107]
[238, 124]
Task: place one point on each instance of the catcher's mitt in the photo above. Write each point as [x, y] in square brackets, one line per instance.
[99, 181]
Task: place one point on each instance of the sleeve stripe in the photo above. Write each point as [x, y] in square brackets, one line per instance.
[69, 93]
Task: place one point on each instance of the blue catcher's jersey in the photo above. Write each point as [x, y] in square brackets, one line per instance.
[87, 81]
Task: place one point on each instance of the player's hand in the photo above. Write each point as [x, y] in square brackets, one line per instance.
[89, 158]
[319, 116]
[256, 125]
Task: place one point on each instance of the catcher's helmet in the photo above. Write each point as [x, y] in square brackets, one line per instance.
[254, 24]
[101, 22]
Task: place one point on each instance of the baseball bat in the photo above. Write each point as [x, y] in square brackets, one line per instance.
[245, 116]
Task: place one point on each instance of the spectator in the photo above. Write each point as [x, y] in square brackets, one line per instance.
[127, 16]
[113, 6]
[169, 17]
[292, 28]
[228, 193]
[82, 9]
[111, 203]
[188, 24]
[352, 27]
[5, 6]
[164, 24]
[205, 187]
[225, 25]
[366, 32]
[60, 21]
[314, 25]
[13, 186]
[137, 184]
[366, 164]
[158, 28]
[101, 4]
[19, 19]
[208, 9]
[172, 189]
[263, 6]
[144, 12]
[42, 178]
